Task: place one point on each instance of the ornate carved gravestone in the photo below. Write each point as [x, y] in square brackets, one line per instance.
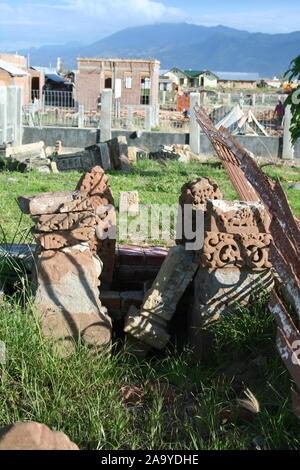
[95, 184]
[233, 264]
[196, 194]
[68, 265]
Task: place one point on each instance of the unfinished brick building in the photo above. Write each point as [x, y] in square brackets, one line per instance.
[135, 80]
[14, 71]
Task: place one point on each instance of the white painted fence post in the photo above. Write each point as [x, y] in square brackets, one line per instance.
[288, 148]
[194, 127]
[106, 112]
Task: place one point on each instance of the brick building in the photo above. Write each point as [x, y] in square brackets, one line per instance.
[238, 80]
[14, 71]
[135, 80]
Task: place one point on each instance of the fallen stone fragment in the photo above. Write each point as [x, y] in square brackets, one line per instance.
[149, 325]
[132, 154]
[33, 436]
[129, 202]
[54, 202]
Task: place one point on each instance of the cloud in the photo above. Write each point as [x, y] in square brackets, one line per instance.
[38, 22]
[128, 11]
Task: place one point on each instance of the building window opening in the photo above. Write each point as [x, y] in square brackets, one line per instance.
[108, 82]
[35, 88]
[145, 90]
[128, 82]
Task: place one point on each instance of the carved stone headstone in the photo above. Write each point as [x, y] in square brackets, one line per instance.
[233, 263]
[65, 281]
[95, 184]
[196, 193]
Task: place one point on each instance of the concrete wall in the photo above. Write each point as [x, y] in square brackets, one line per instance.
[268, 147]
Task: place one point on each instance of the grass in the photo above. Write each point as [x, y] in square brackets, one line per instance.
[169, 400]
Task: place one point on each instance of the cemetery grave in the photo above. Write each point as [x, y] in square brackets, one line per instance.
[156, 334]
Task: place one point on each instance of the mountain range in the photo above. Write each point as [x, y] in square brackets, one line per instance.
[185, 46]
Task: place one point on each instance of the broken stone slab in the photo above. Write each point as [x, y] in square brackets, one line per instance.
[118, 150]
[61, 239]
[66, 290]
[221, 292]
[67, 221]
[68, 279]
[236, 217]
[132, 155]
[33, 436]
[54, 202]
[129, 202]
[150, 324]
[27, 151]
[100, 155]
[198, 192]
[95, 184]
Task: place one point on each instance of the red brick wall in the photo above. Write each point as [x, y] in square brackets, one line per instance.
[90, 79]
[24, 82]
[237, 84]
[17, 60]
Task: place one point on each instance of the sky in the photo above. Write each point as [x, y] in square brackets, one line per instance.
[26, 23]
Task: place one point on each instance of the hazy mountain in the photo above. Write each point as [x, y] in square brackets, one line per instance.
[185, 46]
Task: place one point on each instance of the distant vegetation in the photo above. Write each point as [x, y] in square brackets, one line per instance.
[294, 98]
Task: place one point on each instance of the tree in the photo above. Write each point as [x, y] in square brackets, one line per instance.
[294, 98]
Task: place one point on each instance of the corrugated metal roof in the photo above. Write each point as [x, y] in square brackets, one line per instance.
[12, 69]
[253, 76]
[54, 77]
[193, 73]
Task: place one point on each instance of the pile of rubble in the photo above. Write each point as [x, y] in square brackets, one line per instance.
[27, 157]
[230, 268]
[181, 153]
[141, 287]
[111, 155]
